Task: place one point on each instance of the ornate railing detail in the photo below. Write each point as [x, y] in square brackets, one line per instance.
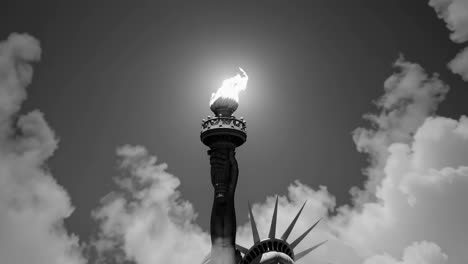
[223, 122]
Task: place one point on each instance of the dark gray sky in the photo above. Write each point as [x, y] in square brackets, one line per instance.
[142, 72]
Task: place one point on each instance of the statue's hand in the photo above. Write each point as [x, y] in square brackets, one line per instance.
[224, 171]
[219, 167]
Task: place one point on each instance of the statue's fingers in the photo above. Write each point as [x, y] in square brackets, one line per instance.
[218, 157]
[215, 160]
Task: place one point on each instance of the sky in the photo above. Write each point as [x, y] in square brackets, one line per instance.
[357, 107]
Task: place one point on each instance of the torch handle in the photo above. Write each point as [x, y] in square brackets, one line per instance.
[220, 171]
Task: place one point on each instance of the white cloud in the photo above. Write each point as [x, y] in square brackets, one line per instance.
[455, 15]
[423, 180]
[32, 205]
[410, 96]
[146, 220]
[459, 64]
[418, 253]
[421, 198]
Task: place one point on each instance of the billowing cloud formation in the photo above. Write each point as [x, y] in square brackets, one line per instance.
[459, 64]
[421, 197]
[455, 15]
[424, 179]
[410, 96]
[147, 221]
[418, 253]
[32, 204]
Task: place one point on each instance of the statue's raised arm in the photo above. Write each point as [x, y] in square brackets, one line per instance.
[224, 173]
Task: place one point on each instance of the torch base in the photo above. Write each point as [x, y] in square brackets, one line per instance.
[223, 138]
[223, 130]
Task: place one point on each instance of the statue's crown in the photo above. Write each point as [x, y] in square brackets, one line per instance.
[259, 252]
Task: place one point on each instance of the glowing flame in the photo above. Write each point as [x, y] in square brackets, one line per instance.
[228, 94]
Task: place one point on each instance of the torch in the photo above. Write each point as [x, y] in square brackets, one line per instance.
[223, 132]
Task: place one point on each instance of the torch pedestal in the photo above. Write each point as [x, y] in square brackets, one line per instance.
[223, 132]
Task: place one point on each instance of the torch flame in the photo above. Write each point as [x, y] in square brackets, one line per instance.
[230, 88]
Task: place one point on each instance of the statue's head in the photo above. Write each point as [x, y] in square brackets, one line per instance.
[273, 250]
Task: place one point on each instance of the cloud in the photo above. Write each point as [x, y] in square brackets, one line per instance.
[459, 64]
[418, 253]
[32, 204]
[146, 220]
[420, 198]
[455, 15]
[410, 96]
[15, 74]
[420, 161]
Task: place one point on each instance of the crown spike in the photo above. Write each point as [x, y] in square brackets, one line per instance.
[256, 236]
[291, 226]
[272, 232]
[242, 249]
[299, 239]
[307, 251]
